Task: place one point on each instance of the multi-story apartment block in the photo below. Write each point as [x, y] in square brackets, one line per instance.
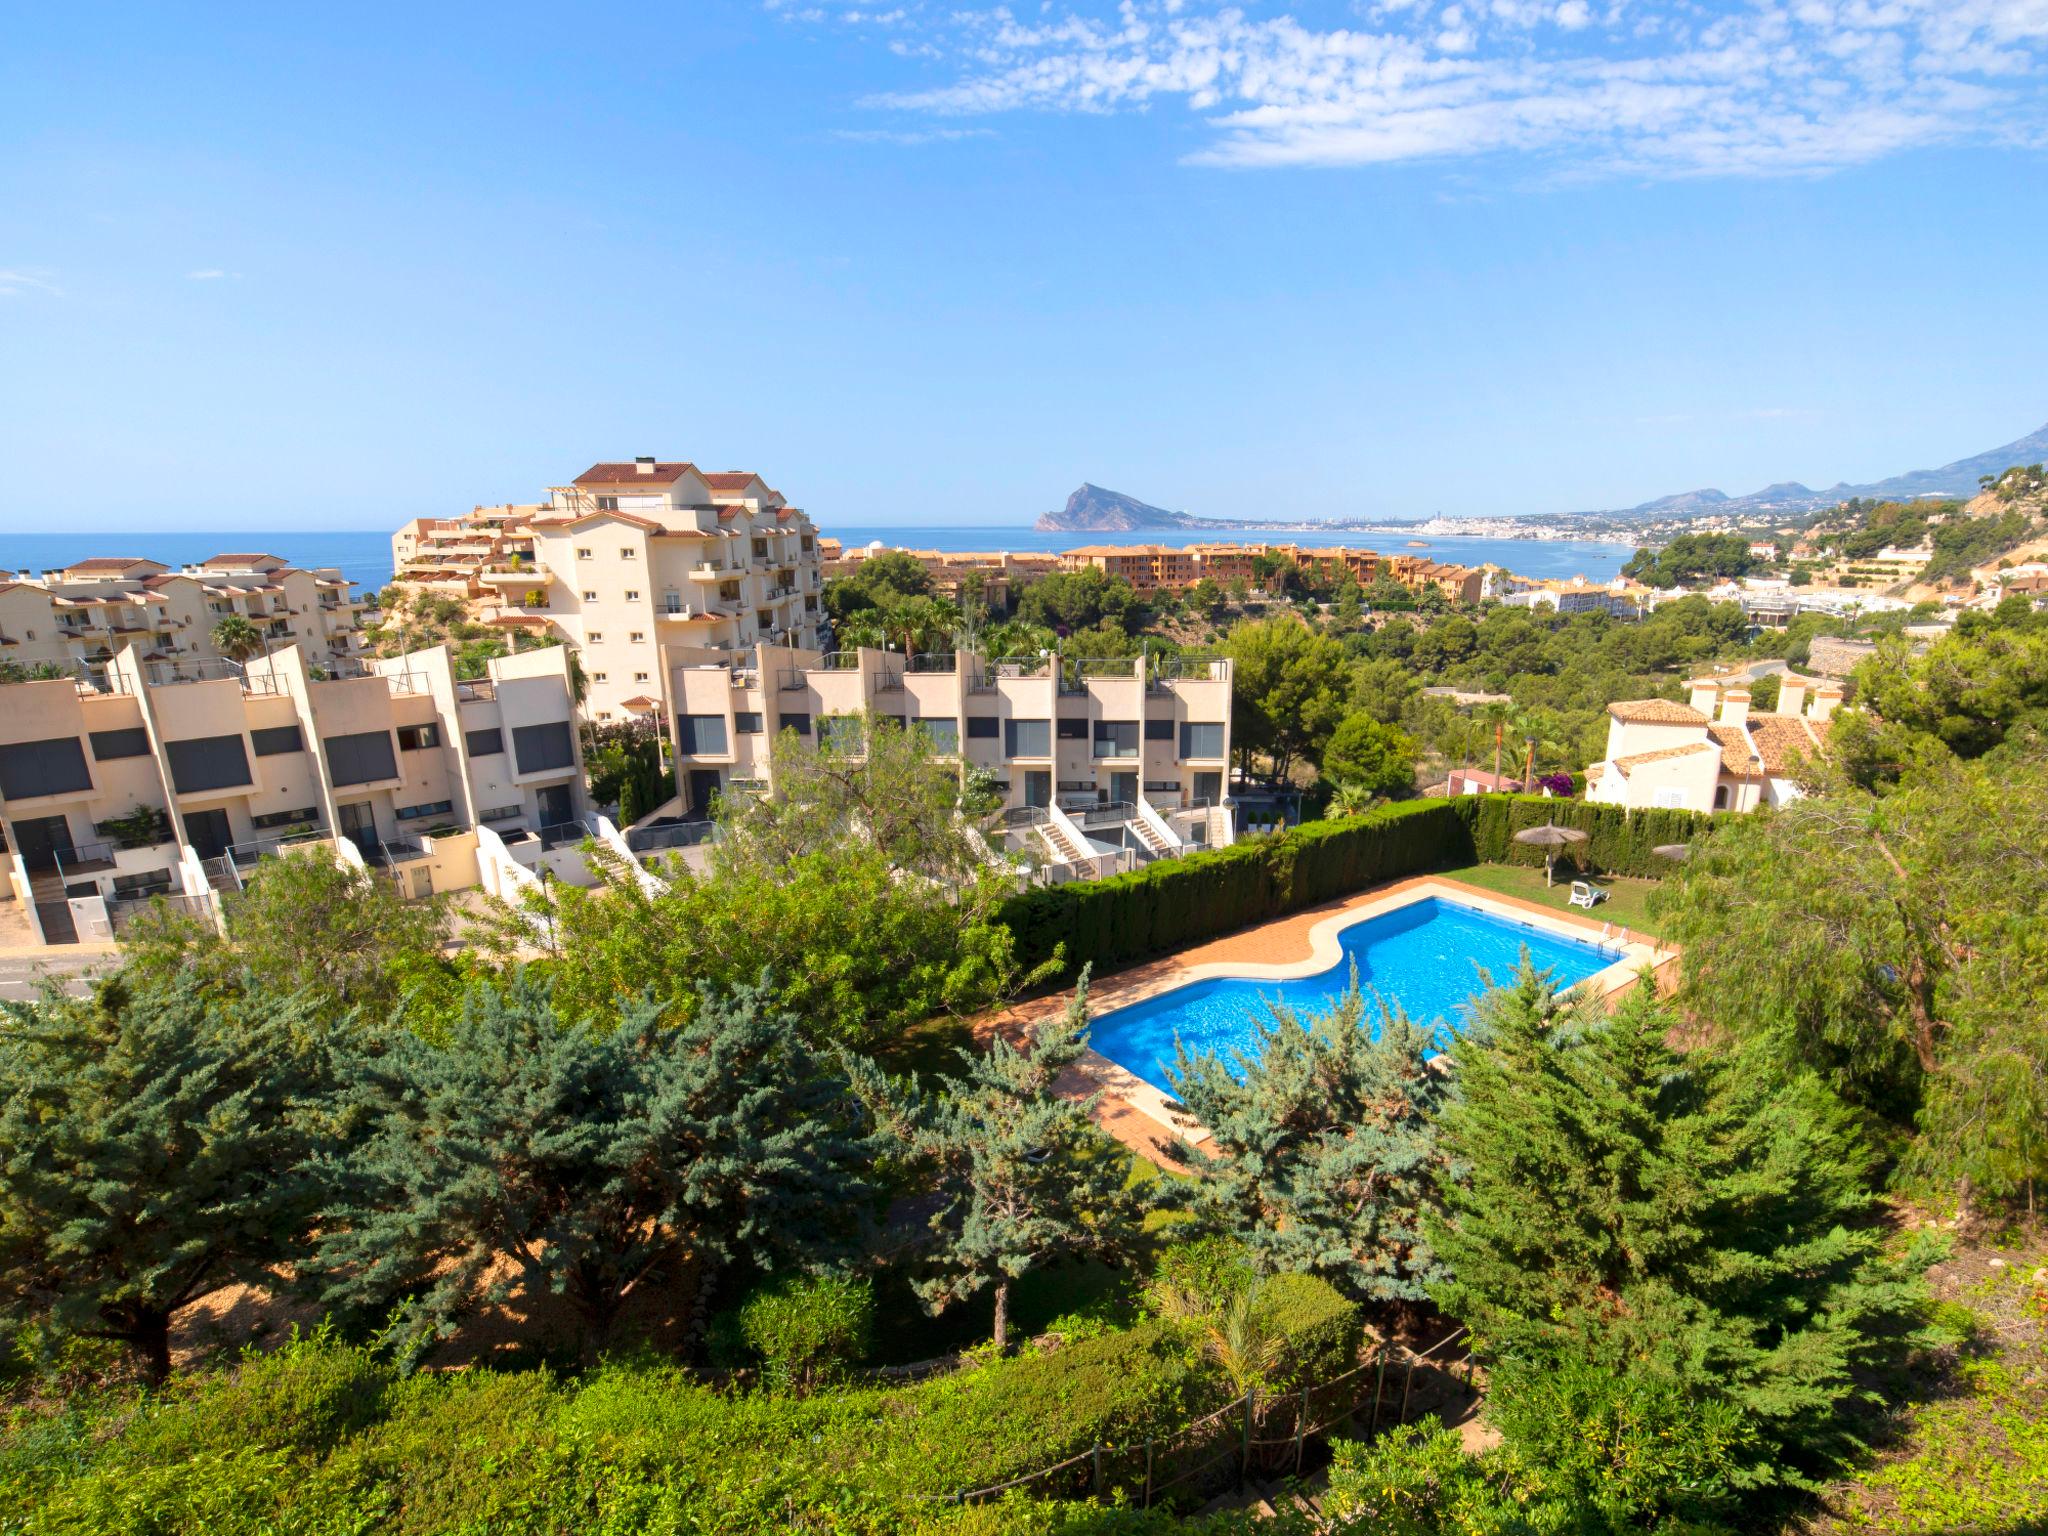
[636, 556]
[174, 780]
[1102, 764]
[1147, 567]
[998, 574]
[80, 617]
[449, 555]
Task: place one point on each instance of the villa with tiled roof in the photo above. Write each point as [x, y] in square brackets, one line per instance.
[1711, 753]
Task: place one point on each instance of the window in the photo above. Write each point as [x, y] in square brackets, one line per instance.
[1671, 799]
[839, 733]
[801, 724]
[590, 597]
[701, 735]
[1116, 738]
[1201, 740]
[748, 722]
[132, 741]
[625, 553]
[639, 677]
[361, 758]
[539, 748]
[417, 738]
[942, 737]
[1074, 730]
[1027, 738]
[1159, 730]
[595, 637]
[582, 554]
[306, 816]
[274, 740]
[604, 504]
[983, 727]
[150, 882]
[638, 637]
[488, 742]
[760, 549]
[207, 762]
[632, 597]
[421, 812]
[53, 766]
[601, 677]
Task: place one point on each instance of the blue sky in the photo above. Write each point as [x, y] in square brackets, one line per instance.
[930, 263]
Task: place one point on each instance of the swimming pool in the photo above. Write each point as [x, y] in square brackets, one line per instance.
[1425, 957]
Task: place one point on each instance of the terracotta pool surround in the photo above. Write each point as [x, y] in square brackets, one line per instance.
[1301, 944]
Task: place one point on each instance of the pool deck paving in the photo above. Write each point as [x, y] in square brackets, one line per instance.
[1301, 944]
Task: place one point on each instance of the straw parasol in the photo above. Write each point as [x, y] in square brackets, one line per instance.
[1550, 838]
[1677, 853]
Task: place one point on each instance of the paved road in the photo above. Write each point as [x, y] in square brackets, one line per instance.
[21, 974]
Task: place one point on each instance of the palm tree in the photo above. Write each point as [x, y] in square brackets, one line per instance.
[1243, 1342]
[1352, 800]
[237, 639]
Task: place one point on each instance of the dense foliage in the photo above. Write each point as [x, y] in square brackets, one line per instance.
[1691, 558]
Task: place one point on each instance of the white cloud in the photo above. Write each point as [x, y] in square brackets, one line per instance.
[911, 135]
[210, 275]
[1590, 87]
[20, 282]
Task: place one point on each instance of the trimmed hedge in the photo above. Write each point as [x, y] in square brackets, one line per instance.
[1173, 903]
[1176, 902]
[1321, 1325]
[1618, 840]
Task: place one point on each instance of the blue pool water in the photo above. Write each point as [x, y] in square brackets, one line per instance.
[1425, 958]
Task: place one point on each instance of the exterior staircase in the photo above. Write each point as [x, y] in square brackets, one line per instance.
[1153, 833]
[1067, 846]
[53, 908]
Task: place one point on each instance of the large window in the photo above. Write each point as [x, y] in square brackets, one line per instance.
[421, 812]
[1201, 739]
[416, 738]
[207, 762]
[131, 741]
[361, 758]
[488, 742]
[1075, 729]
[840, 733]
[747, 722]
[1027, 738]
[305, 816]
[801, 724]
[983, 727]
[52, 766]
[701, 735]
[540, 748]
[1116, 738]
[273, 740]
[942, 737]
[1159, 730]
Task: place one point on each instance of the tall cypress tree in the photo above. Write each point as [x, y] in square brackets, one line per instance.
[591, 1157]
[1324, 1153]
[1682, 1222]
[1025, 1175]
[153, 1142]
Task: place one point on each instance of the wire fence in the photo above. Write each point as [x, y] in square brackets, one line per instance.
[1269, 1434]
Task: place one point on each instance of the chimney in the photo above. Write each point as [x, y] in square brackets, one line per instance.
[1791, 694]
[1735, 706]
[1704, 693]
[1826, 699]
[644, 465]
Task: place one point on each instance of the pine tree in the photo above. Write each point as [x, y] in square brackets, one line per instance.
[591, 1157]
[1324, 1153]
[1025, 1175]
[1685, 1226]
[153, 1144]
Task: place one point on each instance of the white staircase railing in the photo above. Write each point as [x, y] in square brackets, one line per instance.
[1154, 831]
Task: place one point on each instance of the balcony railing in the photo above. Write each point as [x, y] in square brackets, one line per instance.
[245, 854]
[85, 859]
[476, 692]
[564, 833]
[675, 834]
[836, 661]
[935, 661]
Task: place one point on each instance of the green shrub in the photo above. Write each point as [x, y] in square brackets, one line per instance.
[1618, 840]
[803, 1329]
[1320, 1324]
[1205, 1270]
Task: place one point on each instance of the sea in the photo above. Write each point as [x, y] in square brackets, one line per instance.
[363, 555]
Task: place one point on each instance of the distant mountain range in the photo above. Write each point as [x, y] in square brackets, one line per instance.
[1091, 509]
[1957, 479]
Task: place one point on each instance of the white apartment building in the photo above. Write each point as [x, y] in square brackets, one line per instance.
[78, 618]
[1712, 753]
[173, 780]
[448, 555]
[1103, 764]
[637, 556]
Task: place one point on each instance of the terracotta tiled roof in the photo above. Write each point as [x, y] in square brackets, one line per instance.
[731, 479]
[581, 518]
[1735, 751]
[109, 563]
[1663, 754]
[240, 560]
[666, 472]
[1780, 737]
[639, 702]
[1656, 712]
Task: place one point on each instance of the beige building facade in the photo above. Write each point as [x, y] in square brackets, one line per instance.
[1713, 753]
[175, 780]
[78, 618]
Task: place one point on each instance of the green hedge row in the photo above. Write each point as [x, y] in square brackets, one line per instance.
[1618, 841]
[1176, 902]
[1173, 903]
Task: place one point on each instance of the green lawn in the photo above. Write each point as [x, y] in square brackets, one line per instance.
[1627, 903]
